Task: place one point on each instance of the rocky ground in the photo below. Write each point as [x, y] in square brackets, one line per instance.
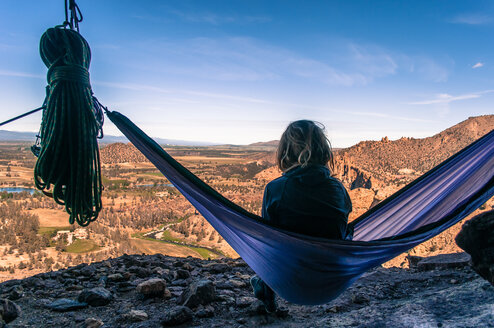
[156, 290]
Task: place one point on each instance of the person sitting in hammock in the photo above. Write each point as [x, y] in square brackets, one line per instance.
[306, 199]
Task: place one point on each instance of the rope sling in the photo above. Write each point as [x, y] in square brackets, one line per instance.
[68, 166]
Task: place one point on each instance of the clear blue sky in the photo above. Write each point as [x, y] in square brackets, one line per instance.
[240, 71]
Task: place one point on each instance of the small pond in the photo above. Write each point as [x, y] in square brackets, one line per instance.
[17, 189]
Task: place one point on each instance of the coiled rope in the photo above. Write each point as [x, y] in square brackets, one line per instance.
[68, 167]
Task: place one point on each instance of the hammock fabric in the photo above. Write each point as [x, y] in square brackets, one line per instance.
[308, 270]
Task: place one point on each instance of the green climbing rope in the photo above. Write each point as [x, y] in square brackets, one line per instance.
[68, 167]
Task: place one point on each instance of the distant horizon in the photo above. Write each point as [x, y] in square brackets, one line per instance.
[239, 72]
[199, 143]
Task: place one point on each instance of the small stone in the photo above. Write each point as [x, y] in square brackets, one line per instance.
[199, 292]
[96, 296]
[177, 316]
[66, 304]
[444, 261]
[223, 285]
[226, 299]
[242, 320]
[453, 281]
[167, 294]
[107, 264]
[187, 267]
[245, 301]
[183, 274]
[257, 308]
[9, 310]
[16, 293]
[152, 287]
[179, 282]
[116, 277]
[237, 283]
[93, 323]
[217, 267]
[360, 298]
[136, 316]
[205, 311]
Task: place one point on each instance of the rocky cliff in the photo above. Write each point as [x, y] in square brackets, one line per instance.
[154, 291]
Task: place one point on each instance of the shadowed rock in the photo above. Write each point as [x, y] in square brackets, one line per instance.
[152, 287]
[477, 238]
[199, 292]
[66, 304]
[9, 310]
[96, 296]
[177, 316]
[442, 261]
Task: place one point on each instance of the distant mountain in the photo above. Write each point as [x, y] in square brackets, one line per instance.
[107, 139]
[407, 158]
[272, 143]
[17, 136]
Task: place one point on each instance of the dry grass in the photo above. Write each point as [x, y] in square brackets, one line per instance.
[156, 247]
[51, 217]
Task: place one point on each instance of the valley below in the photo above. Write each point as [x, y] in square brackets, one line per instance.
[143, 214]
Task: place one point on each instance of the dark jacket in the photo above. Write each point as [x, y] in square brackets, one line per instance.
[308, 201]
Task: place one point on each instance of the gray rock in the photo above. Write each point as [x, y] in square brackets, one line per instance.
[116, 277]
[66, 304]
[9, 310]
[245, 301]
[177, 316]
[205, 311]
[93, 323]
[217, 267]
[135, 316]
[16, 292]
[183, 274]
[152, 287]
[444, 261]
[199, 292]
[477, 238]
[360, 298]
[96, 296]
[237, 283]
[256, 308]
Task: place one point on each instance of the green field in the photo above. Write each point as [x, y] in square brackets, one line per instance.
[204, 253]
[51, 232]
[82, 246]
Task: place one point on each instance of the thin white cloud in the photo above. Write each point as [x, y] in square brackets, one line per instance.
[143, 87]
[20, 74]
[472, 19]
[216, 19]
[478, 65]
[392, 117]
[444, 98]
[248, 59]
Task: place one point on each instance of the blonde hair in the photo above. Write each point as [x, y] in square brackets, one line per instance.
[304, 143]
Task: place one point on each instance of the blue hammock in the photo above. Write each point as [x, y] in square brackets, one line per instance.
[308, 270]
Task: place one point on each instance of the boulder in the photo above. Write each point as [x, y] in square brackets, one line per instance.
[439, 262]
[177, 316]
[476, 237]
[200, 292]
[135, 316]
[66, 304]
[9, 310]
[96, 296]
[93, 323]
[152, 287]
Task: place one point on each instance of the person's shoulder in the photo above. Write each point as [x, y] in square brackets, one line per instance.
[276, 183]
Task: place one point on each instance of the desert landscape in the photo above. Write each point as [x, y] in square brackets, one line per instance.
[144, 214]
